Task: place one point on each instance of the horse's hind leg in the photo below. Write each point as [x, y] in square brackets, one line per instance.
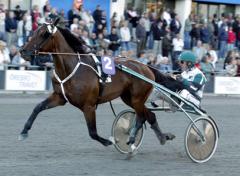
[52, 101]
[90, 116]
[162, 137]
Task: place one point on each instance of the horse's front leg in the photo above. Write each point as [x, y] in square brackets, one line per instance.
[90, 116]
[52, 101]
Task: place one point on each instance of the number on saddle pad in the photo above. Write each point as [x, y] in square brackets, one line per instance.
[108, 65]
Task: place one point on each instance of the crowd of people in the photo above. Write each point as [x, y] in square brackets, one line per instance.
[149, 37]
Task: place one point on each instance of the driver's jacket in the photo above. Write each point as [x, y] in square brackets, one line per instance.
[193, 81]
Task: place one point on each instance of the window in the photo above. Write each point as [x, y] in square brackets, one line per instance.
[24, 4]
[5, 3]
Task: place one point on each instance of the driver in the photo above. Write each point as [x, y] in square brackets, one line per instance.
[192, 79]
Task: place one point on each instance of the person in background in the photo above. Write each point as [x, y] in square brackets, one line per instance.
[142, 58]
[238, 66]
[2, 18]
[178, 45]
[141, 36]
[199, 50]
[205, 35]
[222, 37]
[195, 34]
[11, 29]
[23, 29]
[206, 66]
[114, 41]
[231, 39]
[18, 13]
[4, 53]
[213, 55]
[163, 64]
[166, 45]
[231, 67]
[36, 16]
[158, 34]
[125, 36]
[47, 7]
[187, 30]
[16, 59]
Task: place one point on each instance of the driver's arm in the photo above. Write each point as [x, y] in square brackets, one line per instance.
[193, 86]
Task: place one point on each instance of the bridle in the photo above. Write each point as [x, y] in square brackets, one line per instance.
[51, 30]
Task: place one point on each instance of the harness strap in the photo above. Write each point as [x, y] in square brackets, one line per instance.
[71, 75]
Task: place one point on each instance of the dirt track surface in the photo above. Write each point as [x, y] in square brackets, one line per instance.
[59, 144]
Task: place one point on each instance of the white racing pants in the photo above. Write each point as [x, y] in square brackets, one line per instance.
[188, 96]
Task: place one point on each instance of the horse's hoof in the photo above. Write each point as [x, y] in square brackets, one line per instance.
[165, 137]
[132, 152]
[107, 143]
[23, 136]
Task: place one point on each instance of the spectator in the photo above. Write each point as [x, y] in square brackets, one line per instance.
[215, 32]
[11, 29]
[97, 15]
[36, 16]
[114, 41]
[133, 19]
[231, 67]
[16, 58]
[142, 58]
[205, 35]
[147, 25]
[213, 54]
[2, 18]
[23, 29]
[163, 64]
[102, 43]
[87, 17]
[187, 30]
[53, 14]
[230, 54]
[47, 8]
[74, 25]
[93, 41]
[141, 36]
[125, 36]
[4, 53]
[158, 33]
[199, 51]
[222, 37]
[206, 66]
[18, 13]
[177, 50]
[85, 37]
[74, 12]
[166, 45]
[231, 39]
[195, 34]
[175, 25]
[238, 66]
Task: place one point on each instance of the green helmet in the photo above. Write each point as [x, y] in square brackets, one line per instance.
[188, 56]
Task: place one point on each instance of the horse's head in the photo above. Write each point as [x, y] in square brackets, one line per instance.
[40, 40]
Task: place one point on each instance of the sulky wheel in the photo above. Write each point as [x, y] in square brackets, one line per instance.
[201, 149]
[121, 128]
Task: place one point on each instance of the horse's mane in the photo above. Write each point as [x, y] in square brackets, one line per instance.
[77, 44]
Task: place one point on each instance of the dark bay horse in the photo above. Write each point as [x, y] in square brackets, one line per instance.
[83, 88]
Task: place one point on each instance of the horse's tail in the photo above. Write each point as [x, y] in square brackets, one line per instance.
[166, 80]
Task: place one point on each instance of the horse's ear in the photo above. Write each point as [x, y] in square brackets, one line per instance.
[56, 21]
